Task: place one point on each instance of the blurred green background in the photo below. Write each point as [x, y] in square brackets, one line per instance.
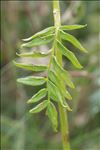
[19, 129]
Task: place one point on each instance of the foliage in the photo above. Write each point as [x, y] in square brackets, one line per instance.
[56, 75]
[19, 131]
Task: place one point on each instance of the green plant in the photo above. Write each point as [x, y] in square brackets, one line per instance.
[57, 77]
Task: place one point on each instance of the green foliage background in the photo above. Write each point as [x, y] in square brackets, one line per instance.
[19, 129]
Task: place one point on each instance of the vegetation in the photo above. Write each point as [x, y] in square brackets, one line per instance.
[53, 88]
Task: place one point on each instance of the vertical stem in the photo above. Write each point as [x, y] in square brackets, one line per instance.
[62, 111]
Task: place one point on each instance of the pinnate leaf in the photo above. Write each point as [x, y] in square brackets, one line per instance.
[52, 76]
[52, 114]
[38, 96]
[67, 106]
[39, 107]
[72, 27]
[58, 82]
[70, 55]
[67, 95]
[38, 41]
[54, 91]
[42, 33]
[32, 80]
[73, 40]
[31, 67]
[63, 73]
[35, 54]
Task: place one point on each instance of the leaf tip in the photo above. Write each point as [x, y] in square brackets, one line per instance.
[14, 62]
[17, 54]
[84, 50]
[69, 97]
[85, 25]
[79, 66]
[30, 111]
[72, 85]
[18, 80]
[24, 40]
[29, 101]
[69, 109]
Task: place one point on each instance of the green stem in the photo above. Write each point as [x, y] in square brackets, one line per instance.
[62, 111]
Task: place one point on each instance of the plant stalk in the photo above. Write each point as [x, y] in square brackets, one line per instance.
[62, 111]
